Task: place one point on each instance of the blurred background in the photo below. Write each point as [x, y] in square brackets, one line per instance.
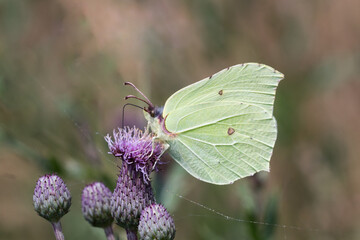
[62, 68]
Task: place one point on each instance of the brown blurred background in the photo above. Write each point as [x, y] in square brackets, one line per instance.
[62, 68]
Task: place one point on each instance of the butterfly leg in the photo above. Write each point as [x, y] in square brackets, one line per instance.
[165, 146]
[147, 129]
[153, 145]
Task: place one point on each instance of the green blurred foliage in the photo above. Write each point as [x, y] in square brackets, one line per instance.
[62, 68]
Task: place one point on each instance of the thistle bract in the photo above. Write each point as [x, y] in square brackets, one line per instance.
[52, 199]
[130, 197]
[95, 201]
[136, 148]
[156, 223]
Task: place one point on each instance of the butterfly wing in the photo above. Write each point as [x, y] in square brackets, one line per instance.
[250, 83]
[222, 142]
[223, 125]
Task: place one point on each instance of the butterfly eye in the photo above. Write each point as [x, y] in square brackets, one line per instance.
[158, 111]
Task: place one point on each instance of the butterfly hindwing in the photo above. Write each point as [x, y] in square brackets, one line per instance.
[220, 148]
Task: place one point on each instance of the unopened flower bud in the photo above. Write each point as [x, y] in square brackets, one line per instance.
[95, 201]
[156, 223]
[52, 199]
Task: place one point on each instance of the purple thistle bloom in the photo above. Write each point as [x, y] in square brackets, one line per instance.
[137, 149]
[130, 197]
[156, 223]
[52, 199]
[95, 201]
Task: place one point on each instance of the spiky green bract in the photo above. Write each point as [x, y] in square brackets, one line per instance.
[95, 201]
[130, 197]
[156, 223]
[51, 198]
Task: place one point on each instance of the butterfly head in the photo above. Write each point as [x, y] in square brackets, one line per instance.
[155, 112]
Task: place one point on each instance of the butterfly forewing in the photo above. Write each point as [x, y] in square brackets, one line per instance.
[250, 83]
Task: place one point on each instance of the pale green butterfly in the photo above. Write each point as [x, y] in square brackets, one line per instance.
[220, 129]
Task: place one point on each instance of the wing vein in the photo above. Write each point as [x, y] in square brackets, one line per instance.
[203, 162]
[238, 174]
[232, 144]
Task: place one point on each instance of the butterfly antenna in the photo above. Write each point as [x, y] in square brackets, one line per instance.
[147, 101]
[123, 112]
[132, 96]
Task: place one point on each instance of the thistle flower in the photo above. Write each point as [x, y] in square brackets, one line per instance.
[156, 223]
[51, 198]
[137, 149]
[95, 201]
[130, 197]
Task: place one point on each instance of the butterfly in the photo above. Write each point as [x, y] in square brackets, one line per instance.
[222, 128]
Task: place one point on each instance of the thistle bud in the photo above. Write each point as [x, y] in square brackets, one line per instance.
[52, 199]
[130, 197]
[156, 223]
[95, 201]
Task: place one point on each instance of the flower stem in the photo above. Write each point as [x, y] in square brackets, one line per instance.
[109, 233]
[131, 234]
[58, 230]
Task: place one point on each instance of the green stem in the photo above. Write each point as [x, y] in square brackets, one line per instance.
[109, 233]
[131, 235]
[58, 230]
